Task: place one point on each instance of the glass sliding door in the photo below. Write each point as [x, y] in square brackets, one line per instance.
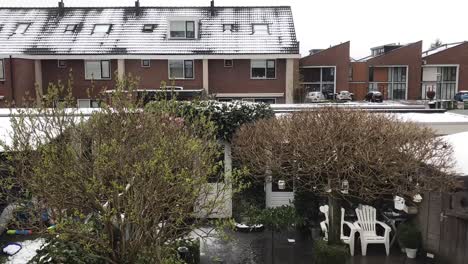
[446, 83]
[397, 83]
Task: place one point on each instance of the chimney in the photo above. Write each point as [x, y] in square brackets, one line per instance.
[137, 8]
[212, 8]
[61, 8]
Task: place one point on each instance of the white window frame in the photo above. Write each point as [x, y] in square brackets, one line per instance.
[89, 101]
[227, 27]
[61, 66]
[267, 32]
[183, 78]
[195, 28]
[227, 66]
[266, 69]
[100, 75]
[22, 24]
[143, 63]
[98, 25]
[148, 28]
[2, 69]
[73, 29]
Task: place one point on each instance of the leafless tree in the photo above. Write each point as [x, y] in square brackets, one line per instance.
[343, 153]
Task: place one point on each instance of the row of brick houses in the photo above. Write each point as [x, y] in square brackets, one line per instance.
[247, 53]
[399, 72]
[230, 53]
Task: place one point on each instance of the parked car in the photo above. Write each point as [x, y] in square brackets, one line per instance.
[461, 95]
[314, 97]
[374, 96]
[344, 96]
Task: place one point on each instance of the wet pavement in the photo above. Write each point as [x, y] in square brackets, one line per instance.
[255, 248]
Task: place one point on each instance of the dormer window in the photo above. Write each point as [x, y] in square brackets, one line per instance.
[260, 29]
[102, 29]
[70, 28]
[21, 28]
[149, 28]
[182, 29]
[227, 28]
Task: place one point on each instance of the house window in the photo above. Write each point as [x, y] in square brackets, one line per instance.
[21, 28]
[102, 29]
[224, 99]
[70, 28]
[397, 83]
[97, 70]
[265, 100]
[260, 29]
[148, 28]
[89, 103]
[228, 63]
[61, 64]
[263, 69]
[145, 63]
[350, 73]
[319, 79]
[182, 29]
[181, 69]
[2, 70]
[227, 27]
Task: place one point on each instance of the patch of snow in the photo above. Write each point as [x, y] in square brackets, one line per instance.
[11, 249]
[28, 251]
[433, 117]
[459, 144]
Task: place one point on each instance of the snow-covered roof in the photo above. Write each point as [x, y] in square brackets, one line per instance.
[441, 48]
[459, 144]
[46, 34]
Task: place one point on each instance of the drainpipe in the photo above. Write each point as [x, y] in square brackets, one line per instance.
[12, 86]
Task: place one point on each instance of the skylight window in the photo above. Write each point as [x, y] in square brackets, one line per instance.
[149, 27]
[227, 27]
[102, 28]
[260, 29]
[21, 28]
[70, 28]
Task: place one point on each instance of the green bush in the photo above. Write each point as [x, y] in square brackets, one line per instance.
[409, 235]
[66, 251]
[307, 207]
[330, 254]
[227, 117]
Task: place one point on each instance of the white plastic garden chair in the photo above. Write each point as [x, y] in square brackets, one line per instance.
[346, 239]
[366, 226]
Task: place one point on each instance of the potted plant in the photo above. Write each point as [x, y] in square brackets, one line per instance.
[410, 238]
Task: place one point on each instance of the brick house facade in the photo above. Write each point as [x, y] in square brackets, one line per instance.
[231, 53]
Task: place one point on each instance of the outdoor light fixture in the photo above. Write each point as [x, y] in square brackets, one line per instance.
[281, 184]
[345, 187]
[417, 198]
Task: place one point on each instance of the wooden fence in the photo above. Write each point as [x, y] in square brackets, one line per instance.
[444, 224]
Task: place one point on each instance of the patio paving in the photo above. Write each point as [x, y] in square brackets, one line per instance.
[255, 248]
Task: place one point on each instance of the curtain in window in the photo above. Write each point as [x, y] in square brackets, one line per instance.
[176, 69]
[177, 29]
[93, 70]
[258, 68]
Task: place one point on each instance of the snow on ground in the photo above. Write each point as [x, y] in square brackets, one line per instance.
[27, 252]
[433, 117]
[459, 143]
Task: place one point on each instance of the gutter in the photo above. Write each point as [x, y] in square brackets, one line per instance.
[12, 86]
